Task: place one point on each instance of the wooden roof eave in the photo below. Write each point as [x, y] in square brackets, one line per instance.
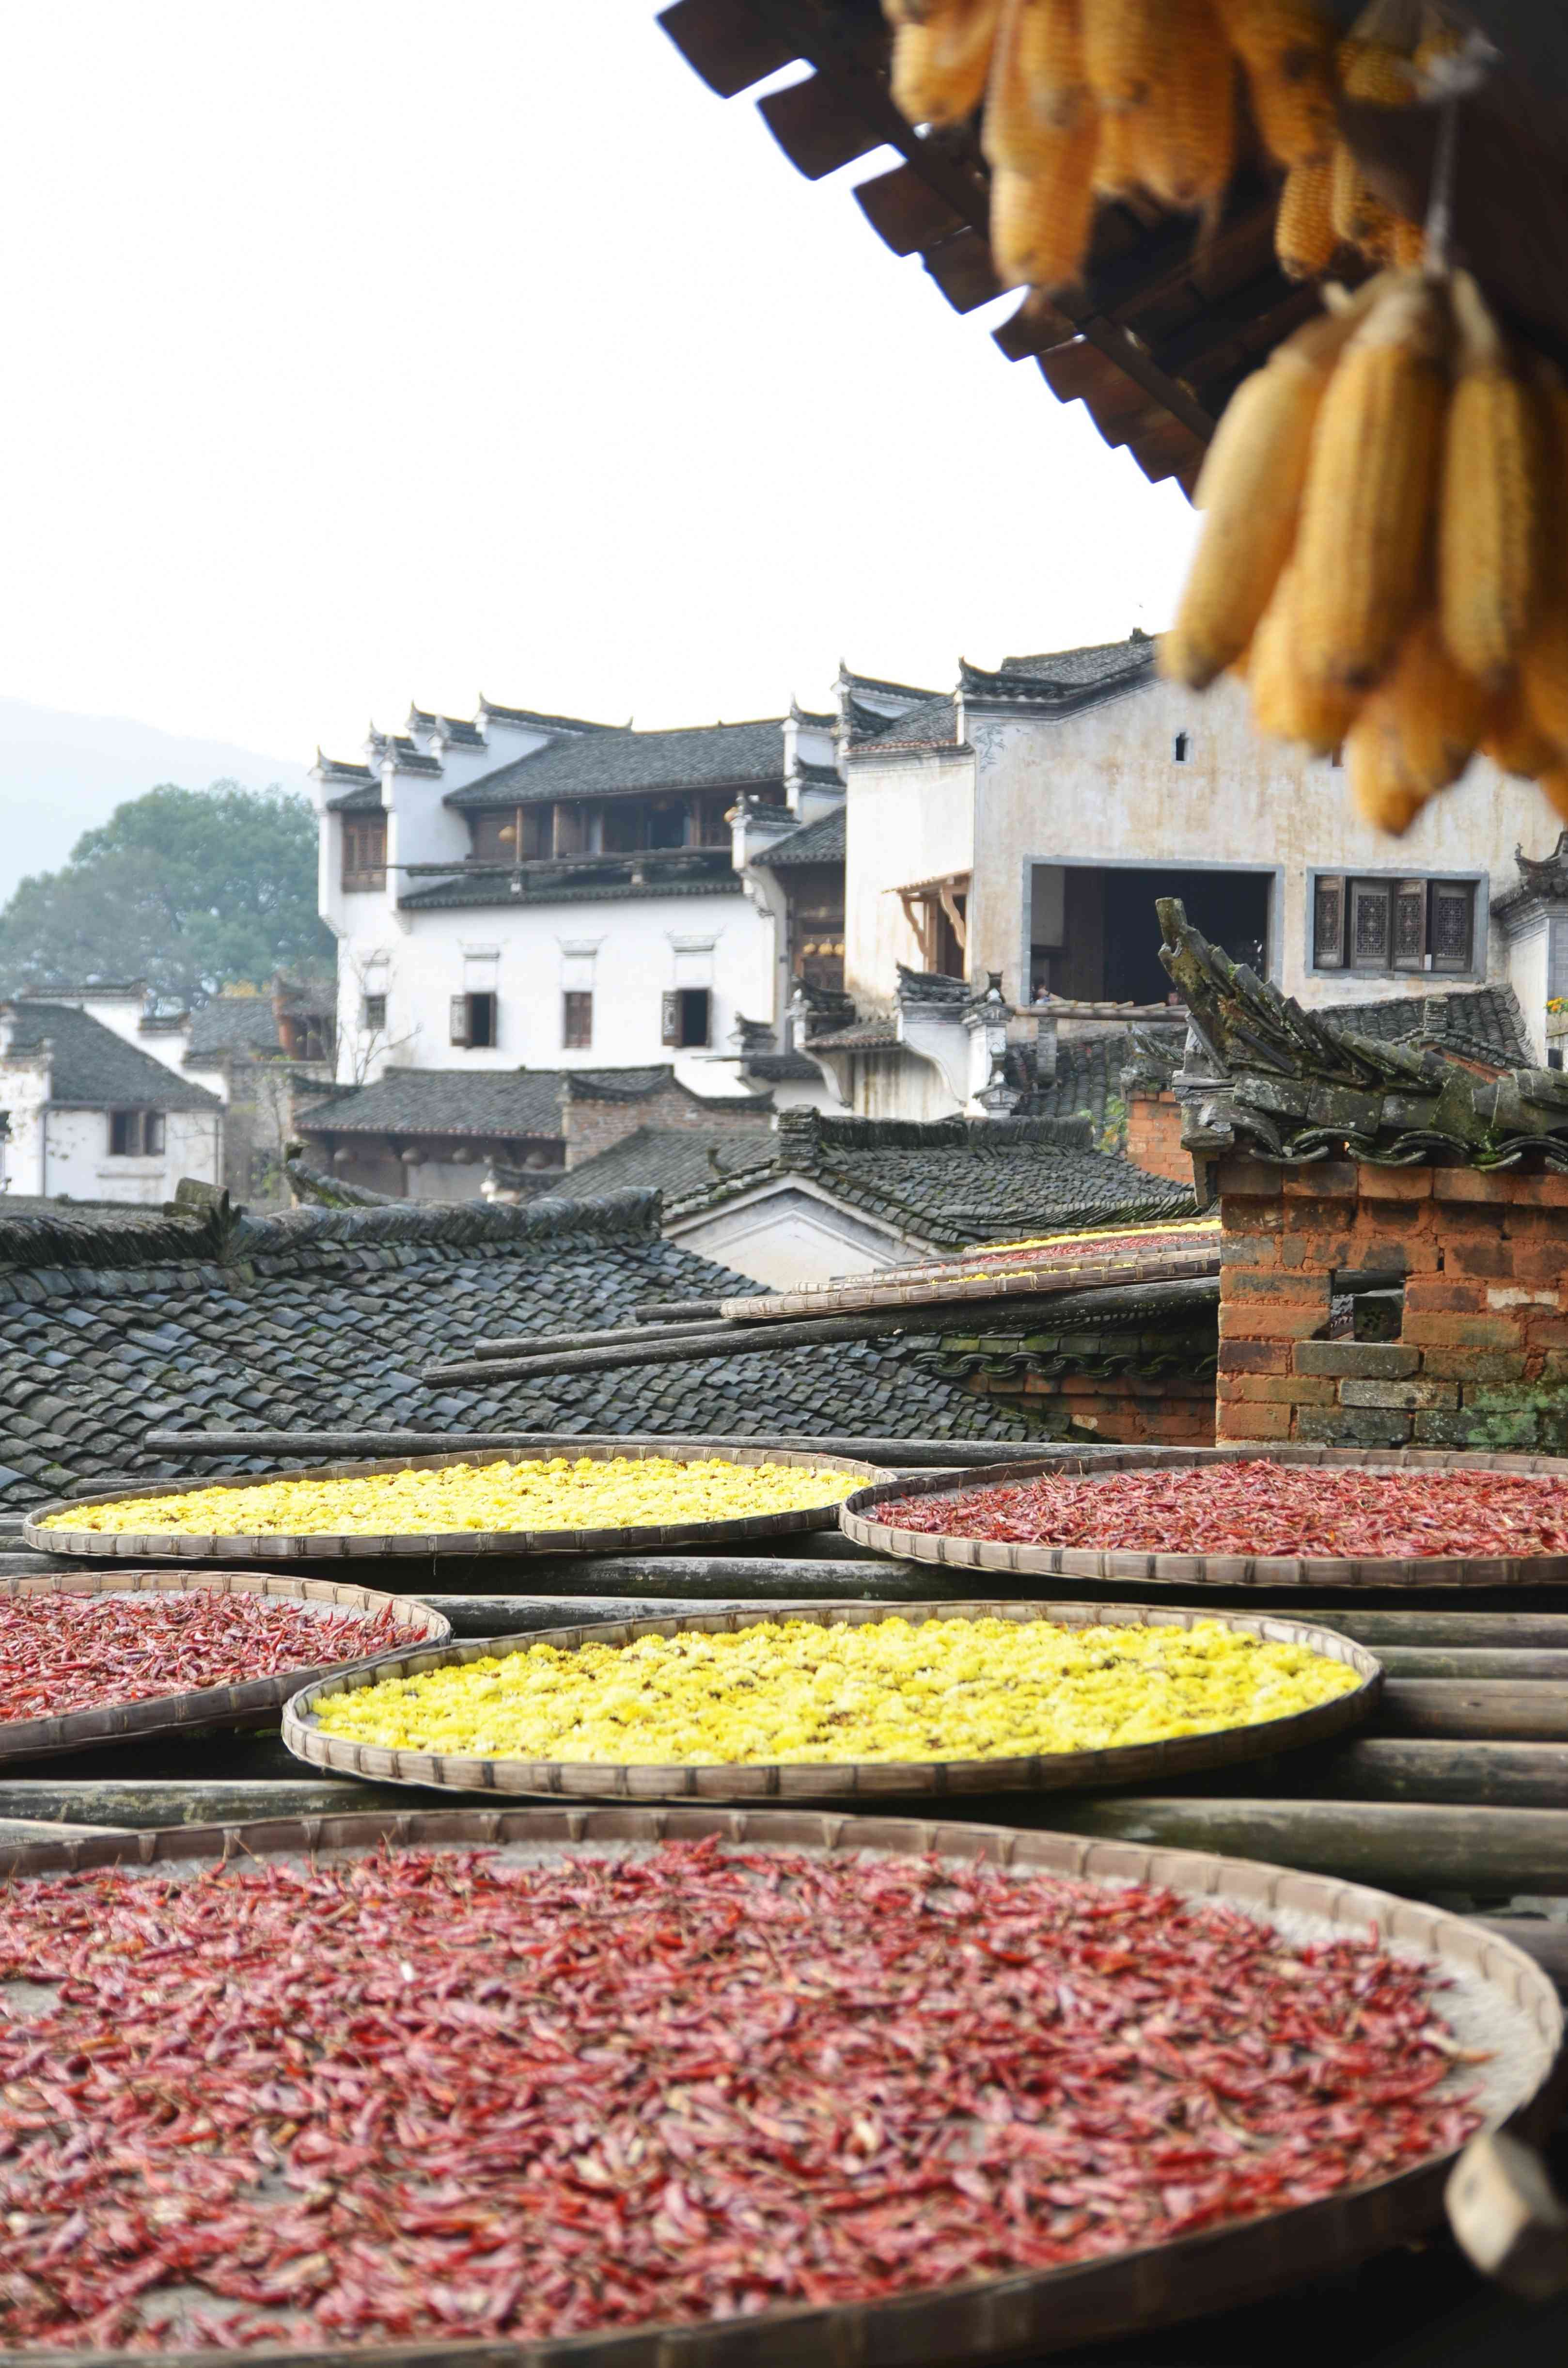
[935, 202]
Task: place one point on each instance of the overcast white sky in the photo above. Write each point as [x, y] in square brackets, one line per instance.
[361, 351]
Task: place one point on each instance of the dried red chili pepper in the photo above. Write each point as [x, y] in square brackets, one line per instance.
[60, 1653]
[1259, 1506]
[426, 2091]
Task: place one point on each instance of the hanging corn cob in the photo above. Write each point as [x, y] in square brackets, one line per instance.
[1385, 552]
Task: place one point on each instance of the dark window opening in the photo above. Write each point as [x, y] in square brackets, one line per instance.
[373, 1014]
[816, 930]
[1182, 744]
[511, 833]
[687, 1017]
[135, 1134]
[364, 851]
[1393, 925]
[475, 1021]
[1554, 1056]
[1110, 936]
[576, 1018]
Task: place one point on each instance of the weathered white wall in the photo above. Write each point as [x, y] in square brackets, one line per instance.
[24, 1096]
[788, 1232]
[75, 1157]
[909, 819]
[643, 947]
[1529, 967]
[1103, 787]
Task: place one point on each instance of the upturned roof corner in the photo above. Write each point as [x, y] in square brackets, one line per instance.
[1262, 1076]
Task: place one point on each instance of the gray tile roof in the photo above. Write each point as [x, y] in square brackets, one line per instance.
[495, 887]
[365, 798]
[322, 1319]
[823, 841]
[1063, 681]
[1482, 1023]
[504, 1103]
[945, 1185]
[546, 723]
[674, 1161]
[776, 1067]
[935, 723]
[234, 1023]
[603, 762]
[1088, 1074]
[94, 1069]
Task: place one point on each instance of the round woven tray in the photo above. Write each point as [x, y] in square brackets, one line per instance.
[255, 1703]
[857, 1779]
[1028, 2313]
[858, 1519]
[958, 1279]
[146, 1546]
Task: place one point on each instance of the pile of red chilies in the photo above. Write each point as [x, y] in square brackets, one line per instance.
[1260, 1508]
[436, 2093]
[60, 1653]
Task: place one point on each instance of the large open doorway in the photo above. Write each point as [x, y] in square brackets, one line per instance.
[1094, 936]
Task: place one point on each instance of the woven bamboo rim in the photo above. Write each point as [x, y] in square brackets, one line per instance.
[255, 1703]
[956, 1280]
[1028, 2313]
[857, 1519]
[326, 1546]
[857, 1779]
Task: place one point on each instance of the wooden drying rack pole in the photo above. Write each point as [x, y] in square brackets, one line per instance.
[675, 1344]
[896, 1454]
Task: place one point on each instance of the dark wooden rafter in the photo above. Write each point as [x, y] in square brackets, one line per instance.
[1169, 319]
[935, 204]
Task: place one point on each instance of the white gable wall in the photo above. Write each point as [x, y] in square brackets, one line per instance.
[1103, 787]
[789, 1233]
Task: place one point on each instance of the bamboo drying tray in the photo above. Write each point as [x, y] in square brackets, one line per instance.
[857, 1779]
[859, 1520]
[255, 1703]
[1025, 2313]
[323, 1545]
[958, 1278]
[1185, 1233]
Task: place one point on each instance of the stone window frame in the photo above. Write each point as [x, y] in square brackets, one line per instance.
[1478, 881]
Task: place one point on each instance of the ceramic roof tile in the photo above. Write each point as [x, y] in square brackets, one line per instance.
[92, 1068]
[456, 1272]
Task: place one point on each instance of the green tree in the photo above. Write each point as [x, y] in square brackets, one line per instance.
[189, 888]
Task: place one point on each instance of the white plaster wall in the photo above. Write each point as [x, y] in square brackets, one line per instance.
[908, 820]
[1528, 964]
[790, 1235]
[646, 946]
[75, 1157]
[1103, 787]
[24, 1096]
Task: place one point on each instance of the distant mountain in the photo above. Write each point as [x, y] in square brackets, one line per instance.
[61, 775]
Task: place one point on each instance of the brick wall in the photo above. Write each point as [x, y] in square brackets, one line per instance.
[1121, 1409]
[1153, 1136]
[590, 1125]
[1484, 1338]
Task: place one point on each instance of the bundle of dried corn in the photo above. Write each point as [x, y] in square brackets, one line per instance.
[1386, 553]
[1089, 98]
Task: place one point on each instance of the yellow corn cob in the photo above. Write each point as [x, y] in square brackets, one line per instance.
[1384, 793]
[1303, 227]
[1554, 783]
[1116, 168]
[1186, 137]
[1249, 491]
[1285, 703]
[1512, 741]
[1408, 244]
[1127, 48]
[1494, 493]
[1287, 49]
[1366, 524]
[940, 63]
[1375, 72]
[1040, 221]
[1543, 676]
[1038, 86]
[1437, 712]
